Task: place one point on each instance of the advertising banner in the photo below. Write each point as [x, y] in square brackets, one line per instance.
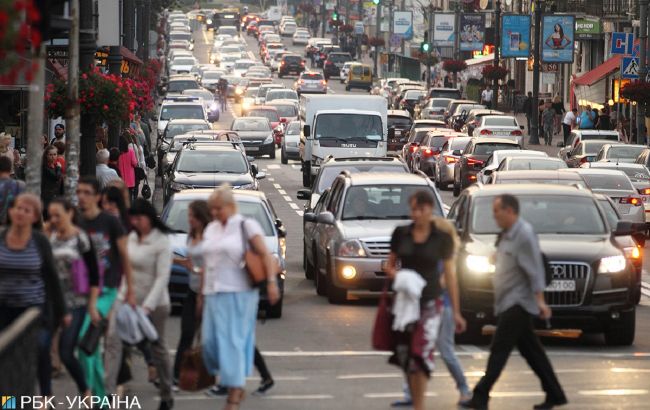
[403, 24]
[443, 29]
[515, 36]
[558, 34]
[472, 32]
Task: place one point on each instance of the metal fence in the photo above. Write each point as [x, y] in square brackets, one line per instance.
[18, 355]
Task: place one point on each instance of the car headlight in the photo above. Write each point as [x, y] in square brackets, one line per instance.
[479, 264]
[176, 186]
[268, 139]
[239, 91]
[612, 264]
[208, 21]
[352, 249]
[214, 107]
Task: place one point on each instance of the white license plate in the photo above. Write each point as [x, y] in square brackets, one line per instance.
[311, 85]
[252, 148]
[561, 286]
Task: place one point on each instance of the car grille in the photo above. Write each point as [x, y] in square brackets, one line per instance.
[579, 272]
[377, 249]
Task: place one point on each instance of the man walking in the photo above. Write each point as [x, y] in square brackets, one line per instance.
[486, 97]
[548, 121]
[569, 123]
[518, 297]
[102, 171]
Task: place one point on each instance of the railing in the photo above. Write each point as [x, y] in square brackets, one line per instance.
[18, 355]
[598, 8]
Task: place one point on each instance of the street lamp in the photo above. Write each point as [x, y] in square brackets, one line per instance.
[534, 123]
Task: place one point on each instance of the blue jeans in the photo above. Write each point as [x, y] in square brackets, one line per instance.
[68, 346]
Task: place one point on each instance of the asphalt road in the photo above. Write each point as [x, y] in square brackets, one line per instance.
[321, 358]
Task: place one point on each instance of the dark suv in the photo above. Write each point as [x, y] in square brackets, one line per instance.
[291, 63]
[332, 66]
[593, 283]
[473, 159]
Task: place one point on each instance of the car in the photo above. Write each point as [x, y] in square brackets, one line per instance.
[412, 145]
[209, 165]
[300, 37]
[345, 69]
[287, 110]
[474, 119]
[497, 157]
[350, 242]
[529, 163]
[401, 91]
[274, 64]
[499, 126]
[556, 177]
[248, 100]
[434, 109]
[577, 136]
[470, 163]
[335, 60]
[173, 128]
[619, 188]
[180, 108]
[227, 61]
[228, 30]
[583, 153]
[266, 111]
[592, 283]
[619, 153]
[426, 156]
[201, 136]
[241, 66]
[257, 71]
[251, 204]
[256, 134]
[410, 99]
[291, 63]
[288, 29]
[182, 65]
[290, 148]
[263, 89]
[210, 78]
[310, 82]
[209, 102]
[178, 83]
[324, 50]
[181, 44]
[400, 121]
[453, 105]
[281, 94]
[445, 165]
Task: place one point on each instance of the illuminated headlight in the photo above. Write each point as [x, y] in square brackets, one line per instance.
[351, 249]
[268, 139]
[214, 107]
[245, 186]
[479, 264]
[239, 91]
[348, 272]
[175, 186]
[283, 246]
[208, 21]
[612, 264]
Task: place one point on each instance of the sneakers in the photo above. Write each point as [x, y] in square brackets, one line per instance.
[549, 404]
[217, 391]
[265, 386]
[166, 404]
[402, 403]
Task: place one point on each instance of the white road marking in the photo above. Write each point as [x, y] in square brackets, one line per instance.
[300, 213]
[612, 392]
[277, 186]
[282, 191]
[271, 179]
[205, 37]
[294, 206]
[287, 198]
[628, 370]
[273, 166]
[294, 166]
[516, 394]
[299, 397]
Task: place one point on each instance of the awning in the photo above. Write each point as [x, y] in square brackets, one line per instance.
[129, 56]
[59, 70]
[600, 72]
[481, 60]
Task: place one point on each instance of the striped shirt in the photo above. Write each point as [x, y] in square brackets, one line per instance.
[21, 280]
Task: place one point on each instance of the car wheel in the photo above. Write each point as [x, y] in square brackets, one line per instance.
[272, 154]
[621, 332]
[309, 268]
[335, 295]
[283, 157]
[636, 294]
[275, 311]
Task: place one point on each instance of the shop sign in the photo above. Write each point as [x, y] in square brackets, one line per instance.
[588, 29]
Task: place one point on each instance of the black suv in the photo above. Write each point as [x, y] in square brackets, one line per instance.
[474, 157]
[332, 66]
[291, 63]
[593, 283]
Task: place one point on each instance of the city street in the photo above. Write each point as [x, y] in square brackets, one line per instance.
[321, 357]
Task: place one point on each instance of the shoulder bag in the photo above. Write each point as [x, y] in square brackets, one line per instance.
[383, 336]
[193, 375]
[253, 262]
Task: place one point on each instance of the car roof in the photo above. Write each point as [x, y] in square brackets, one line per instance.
[526, 189]
[181, 77]
[261, 107]
[538, 174]
[211, 146]
[487, 117]
[608, 142]
[592, 132]
[595, 171]
[447, 89]
[615, 165]
[204, 193]
[383, 178]
[483, 140]
[400, 113]
[186, 121]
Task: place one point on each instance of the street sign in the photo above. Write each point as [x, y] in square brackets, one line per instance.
[550, 67]
[622, 43]
[395, 40]
[358, 27]
[630, 68]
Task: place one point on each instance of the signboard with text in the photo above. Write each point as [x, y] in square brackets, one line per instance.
[472, 32]
[403, 24]
[443, 29]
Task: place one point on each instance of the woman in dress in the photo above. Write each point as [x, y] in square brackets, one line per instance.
[127, 163]
[425, 246]
[557, 40]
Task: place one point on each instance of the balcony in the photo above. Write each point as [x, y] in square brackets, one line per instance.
[606, 9]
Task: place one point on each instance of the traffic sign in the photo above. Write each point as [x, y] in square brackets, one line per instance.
[622, 43]
[630, 68]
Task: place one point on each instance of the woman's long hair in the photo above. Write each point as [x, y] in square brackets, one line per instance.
[201, 212]
[143, 207]
[559, 30]
[115, 195]
[48, 149]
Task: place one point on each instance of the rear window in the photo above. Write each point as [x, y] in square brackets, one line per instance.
[458, 144]
[293, 59]
[489, 148]
[636, 173]
[624, 152]
[445, 94]
[183, 112]
[501, 122]
[593, 148]
[340, 57]
[398, 121]
[521, 164]
[312, 76]
[437, 142]
[600, 182]
[596, 136]
[179, 86]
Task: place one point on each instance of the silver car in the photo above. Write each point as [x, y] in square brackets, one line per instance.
[311, 82]
[449, 155]
[290, 148]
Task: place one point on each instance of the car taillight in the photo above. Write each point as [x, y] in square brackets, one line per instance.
[473, 161]
[323, 82]
[516, 132]
[584, 160]
[486, 132]
[428, 152]
[644, 191]
[631, 200]
[450, 160]
[413, 148]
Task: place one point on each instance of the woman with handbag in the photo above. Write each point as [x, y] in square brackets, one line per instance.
[235, 257]
[76, 263]
[422, 248]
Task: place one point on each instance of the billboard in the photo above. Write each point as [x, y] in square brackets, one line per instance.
[472, 32]
[443, 29]
[403, 24]
[558, 35]
[515, 36]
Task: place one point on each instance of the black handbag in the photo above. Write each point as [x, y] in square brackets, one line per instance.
[140, 174]
[151, 161]
[89, 342]
[146, 190]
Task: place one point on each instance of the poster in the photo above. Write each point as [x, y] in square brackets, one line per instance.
[557, 38]
[443, 29]
[403, 24]
[515, 36]
[472, 32]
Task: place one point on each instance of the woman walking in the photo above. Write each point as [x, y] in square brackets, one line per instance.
[558, 108]
[127, 163]
[51, 176]
[425, 247]
[230, 302]
[76, 263]
[28, 278]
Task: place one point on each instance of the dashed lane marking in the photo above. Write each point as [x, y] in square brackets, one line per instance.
[277, 186]
[282, 191]
[271, 179]
[273, 166]
[294, 206]
[299, 397]
[300, 213]
[287, 198]
[611, 392]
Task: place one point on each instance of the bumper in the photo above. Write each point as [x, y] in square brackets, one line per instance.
[359, 84]
[469, 177]
[428, 166]
[636, 214]
[257, 150]
[446, 174]
[369, 275]
[322, 90]
[291, 70]
[332, 72]
[292, 152]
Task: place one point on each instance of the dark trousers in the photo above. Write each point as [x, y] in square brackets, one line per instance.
[515, 328]
[260, 365]
[528, 118]
[68, 345]
[189, 326]
[567, 132]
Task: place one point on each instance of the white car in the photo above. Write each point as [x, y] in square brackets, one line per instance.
[493, 161]
[228, 61]
[290, 148]
[289, 29]
[207, 97]
[301, 37]
[182, 64]
[241, 66]
[219, 39]
[500, 126]
[210, 78]
[345, 70]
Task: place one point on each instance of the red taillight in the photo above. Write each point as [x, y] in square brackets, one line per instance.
[323, 82]
[428, 152]
[584, 160]
[472, 161]
[486, 132]
[631, 200]
[516, 132]
[413, 148]
[644, 191]
[450, 160]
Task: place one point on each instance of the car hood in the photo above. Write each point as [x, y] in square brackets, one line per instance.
[212, 179]
[179, 244]
[379, 229]
[253, 135]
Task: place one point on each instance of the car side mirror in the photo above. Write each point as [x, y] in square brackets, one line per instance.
[326, 218]
[306, 130]
[254, 169]
[391, 132]
[260, 175]
[309, 217]
[560, 144]
[457, 152]
[304, 194]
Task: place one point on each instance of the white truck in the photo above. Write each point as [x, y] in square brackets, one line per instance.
[342, 126]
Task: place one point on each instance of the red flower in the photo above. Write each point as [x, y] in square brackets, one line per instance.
[105, 107]
[84, 76]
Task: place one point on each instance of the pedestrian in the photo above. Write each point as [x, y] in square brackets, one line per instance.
[198, 216]
[110, 243]
[59, 134]
[518, 298]
[8, 152]
[528, 109]
[548, 124]
[230, 303]
[569, 123]
[60, 154]
[10, 188]
[486, 96]
[113, 160]
[604, 121]
[587, 119]
[51, 176]
[114, 203]
[127, 164]
[150, 257]
[76, 264]
[102, 171]
[558, 107]
[222, 87]
[28, 279]
[424, 247]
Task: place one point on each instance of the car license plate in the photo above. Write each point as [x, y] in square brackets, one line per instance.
[561, 286]
[252, 148]
[311, 85]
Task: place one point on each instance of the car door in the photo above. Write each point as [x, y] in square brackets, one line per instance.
[323, 233]
[489, 164]
[309, 228]
[462, 161]
[573, 160]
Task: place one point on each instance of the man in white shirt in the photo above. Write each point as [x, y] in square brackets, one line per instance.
[569, 122]
[486, 97]
[102, 171]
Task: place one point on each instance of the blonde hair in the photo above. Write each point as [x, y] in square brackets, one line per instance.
[224, 195]
[33, 201]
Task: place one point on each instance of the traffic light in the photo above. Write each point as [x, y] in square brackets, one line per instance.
[376, 2]
[425, 47]
[335, 15]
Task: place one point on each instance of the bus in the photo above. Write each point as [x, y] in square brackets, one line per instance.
[226, 17]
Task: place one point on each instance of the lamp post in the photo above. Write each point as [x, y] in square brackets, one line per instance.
[497, 49]
[643, 38]
[87, 49]
[534, 123]
[377, 35]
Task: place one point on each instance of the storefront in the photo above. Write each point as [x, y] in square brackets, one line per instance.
[594, 87]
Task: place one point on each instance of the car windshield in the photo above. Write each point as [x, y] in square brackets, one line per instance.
[448, 94]
[184, 112]
[231, 162]
[414, 94]
[230, 50]
[438, 141]
[281, 95]
[379, 202]
[270, 115]
[263, 91]
[286, 110]
[180, 36]
[175, 215]
[205, 95]
[635, 173]
[312, 76]
[232, 31]
[349, 126]
[597, 136]
[329, 174]
[173, 130]
[243, 124]
[500, 122]
[398, 121]
[212, 75]
[181, 85]
[419, 135]
[293, 129]
[251, 92]
[538, 164]
[548, 214]
[600, 182]
[229, 58]
[244, 65]
[458, 144]
[622, 151]
[184, 61]
[438, 103]
[489, 148]
[555, 181]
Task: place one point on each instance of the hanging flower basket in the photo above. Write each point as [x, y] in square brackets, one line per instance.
[492, 73]
[334, 23]
[454, 66]
[376, 41]
[638, 92]
[346, 28]
[425, 58]
[307, 8]
[17, 36]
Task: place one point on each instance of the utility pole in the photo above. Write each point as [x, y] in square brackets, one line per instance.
[403, 42]
[391, 18]
[497, 50]
[128, 23]
[323, 15]
[534, 122]
[35, 122]
[429, 39]
[87, 49]
[378, 35]
[643, 38]
[147, 24]
[456, 37]
[72, 112]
